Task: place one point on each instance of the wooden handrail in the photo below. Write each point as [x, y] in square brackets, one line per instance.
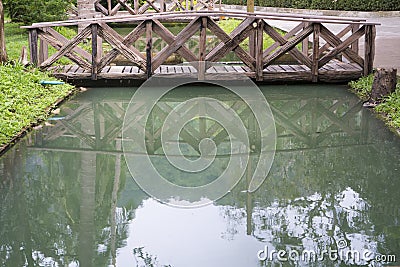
[193, 14]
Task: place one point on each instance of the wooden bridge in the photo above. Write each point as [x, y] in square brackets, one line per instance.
[315, 52]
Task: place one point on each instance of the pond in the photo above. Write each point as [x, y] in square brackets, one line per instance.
[67, 197]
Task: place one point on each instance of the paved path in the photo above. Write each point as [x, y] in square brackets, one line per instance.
[387, 52]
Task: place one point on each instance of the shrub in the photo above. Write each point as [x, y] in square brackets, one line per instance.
[28, 11]
[359, 5]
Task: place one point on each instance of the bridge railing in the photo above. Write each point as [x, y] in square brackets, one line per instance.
[311, 43]
[156, 6]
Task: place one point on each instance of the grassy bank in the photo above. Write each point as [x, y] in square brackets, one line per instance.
[23, 101]
[388, 109]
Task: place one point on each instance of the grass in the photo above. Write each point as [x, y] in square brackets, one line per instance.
[23, 101]
[388, 108]
[16, 38]
[228, 25]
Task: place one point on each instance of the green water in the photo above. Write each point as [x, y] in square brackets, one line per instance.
[67, 197]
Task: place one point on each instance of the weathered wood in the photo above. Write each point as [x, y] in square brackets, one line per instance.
[177, 43]
[355, 44]
[43, 51]
[203, 39]
[67, 47]
[369, 53]
[304, 44]
[320, 65]
[33, 46]
[113, 38]
[289, 45]
[94, 51]
[130, 38]
[301, 58]
[59, 41]
[229, 43]
[342, 33]
[340, 46]
[149, 46]
[259, 50]
[384, 83]
[169, 38]
[315, 54]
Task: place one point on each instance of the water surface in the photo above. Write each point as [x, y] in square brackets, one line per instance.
[67, 197]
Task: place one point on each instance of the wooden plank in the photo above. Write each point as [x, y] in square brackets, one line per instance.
[290, 45]
[170, 39]
[290, 34]
[203, 39]
[62, 41]
[43, 51]
[94, 51]
[259, 50]
[369, 53]
[340, 46]
[57, 44]
[226, 39]
[177, 43]
[304, 45]
[301, 58]
[340, 35]
[67, 47]
[128, 40]
[315, 53]
[33, 46]
[118, 42]
[149, 48]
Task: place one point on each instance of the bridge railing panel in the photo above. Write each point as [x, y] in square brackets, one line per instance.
[149, 44]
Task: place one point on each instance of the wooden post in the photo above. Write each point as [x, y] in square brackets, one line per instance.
[354, 46]
[202, 48]
[162, 6]
[109, 7]
[315, 55]
[304, 45]
[33, 46]
[136, 6]
[43, 51]
[259, 50]
[149, 45]
[369, 52]
[94, 51]
[252, 40]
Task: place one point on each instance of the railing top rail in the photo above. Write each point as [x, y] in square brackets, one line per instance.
[193, 14]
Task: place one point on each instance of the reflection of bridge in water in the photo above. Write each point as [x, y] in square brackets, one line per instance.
[316, 129]
[303, 122]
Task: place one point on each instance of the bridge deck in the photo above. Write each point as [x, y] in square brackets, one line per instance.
[331, 72]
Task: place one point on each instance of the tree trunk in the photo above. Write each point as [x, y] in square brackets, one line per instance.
[3, 52]
[384, 83]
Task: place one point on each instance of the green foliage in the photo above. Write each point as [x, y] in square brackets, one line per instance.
[362, 87]
[389, 107]
[23, 100]
[360, 5]
[28, 11]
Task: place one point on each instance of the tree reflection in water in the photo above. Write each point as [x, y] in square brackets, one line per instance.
[67, 198]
